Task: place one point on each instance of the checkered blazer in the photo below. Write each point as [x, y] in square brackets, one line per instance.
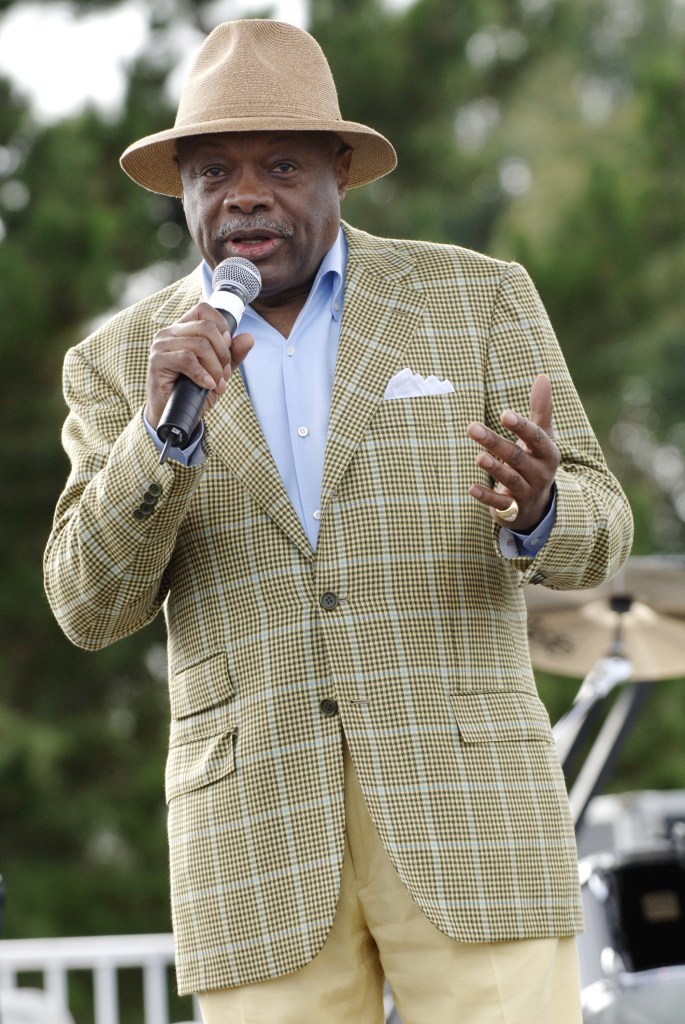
[406, 628]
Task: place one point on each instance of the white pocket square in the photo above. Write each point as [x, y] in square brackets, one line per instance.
[406, 384]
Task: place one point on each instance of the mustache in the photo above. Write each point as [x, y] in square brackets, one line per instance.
[252, 224]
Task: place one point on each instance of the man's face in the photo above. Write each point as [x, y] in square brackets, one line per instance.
[270, 197]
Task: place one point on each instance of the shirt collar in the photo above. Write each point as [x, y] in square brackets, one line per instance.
[331, 273]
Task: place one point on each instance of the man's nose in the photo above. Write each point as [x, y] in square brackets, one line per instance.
[248, 192]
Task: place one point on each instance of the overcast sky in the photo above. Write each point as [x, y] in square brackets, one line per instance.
[59, 59]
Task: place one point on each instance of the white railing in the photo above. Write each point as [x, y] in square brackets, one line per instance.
[104, 956]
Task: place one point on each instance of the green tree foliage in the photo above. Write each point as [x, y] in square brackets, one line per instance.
[82, 736]
[548, 131]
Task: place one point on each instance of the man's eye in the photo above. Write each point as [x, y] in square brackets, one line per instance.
[212, 172]
[284, 166]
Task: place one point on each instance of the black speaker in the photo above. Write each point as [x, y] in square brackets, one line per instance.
[635, 903]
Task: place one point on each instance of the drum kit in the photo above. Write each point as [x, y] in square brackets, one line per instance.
[628, 634]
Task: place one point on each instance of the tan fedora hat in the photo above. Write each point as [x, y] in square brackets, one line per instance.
[251, 76]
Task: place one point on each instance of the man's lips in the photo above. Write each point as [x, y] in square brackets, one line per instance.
[252, 245]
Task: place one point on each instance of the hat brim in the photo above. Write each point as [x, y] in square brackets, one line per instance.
[151, 161]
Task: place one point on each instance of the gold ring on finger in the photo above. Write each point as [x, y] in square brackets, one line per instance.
[510, 513]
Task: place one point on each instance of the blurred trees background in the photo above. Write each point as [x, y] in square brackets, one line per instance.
[548, 131]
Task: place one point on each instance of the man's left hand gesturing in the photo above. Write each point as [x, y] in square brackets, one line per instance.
[524, 470]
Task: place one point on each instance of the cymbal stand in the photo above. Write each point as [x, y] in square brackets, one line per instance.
[571, 729]
[606, 748]
[603, 677]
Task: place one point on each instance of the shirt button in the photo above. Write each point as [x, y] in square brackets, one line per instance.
[336, 306]
[328, 707]
[303, 431]
[290, 351]
[329, 601]
[317, 514]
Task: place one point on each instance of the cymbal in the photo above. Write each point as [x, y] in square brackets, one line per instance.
[639, 614]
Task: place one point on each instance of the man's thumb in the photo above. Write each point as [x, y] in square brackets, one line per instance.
[541, 403]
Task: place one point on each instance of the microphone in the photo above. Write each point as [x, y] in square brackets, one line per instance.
[236, 282]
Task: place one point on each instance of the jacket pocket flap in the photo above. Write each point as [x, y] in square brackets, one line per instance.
[201, 686]
[501, 717]
[199, 763]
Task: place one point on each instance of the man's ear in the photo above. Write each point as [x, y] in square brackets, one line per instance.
[343, 171]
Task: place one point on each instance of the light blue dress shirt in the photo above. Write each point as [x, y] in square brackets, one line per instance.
[290, 382]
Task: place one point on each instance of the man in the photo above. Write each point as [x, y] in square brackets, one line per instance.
[361, 778]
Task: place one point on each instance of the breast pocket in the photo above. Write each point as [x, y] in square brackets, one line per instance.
[193, 764]
[420, 443]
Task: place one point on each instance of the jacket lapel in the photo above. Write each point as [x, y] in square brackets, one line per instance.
[234, 432]
[186, 295]
[381, 316]
[236, 437]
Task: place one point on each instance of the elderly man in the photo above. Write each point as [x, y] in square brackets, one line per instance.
[361, 780]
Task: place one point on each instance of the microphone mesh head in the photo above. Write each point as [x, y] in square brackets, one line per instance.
[238, 275]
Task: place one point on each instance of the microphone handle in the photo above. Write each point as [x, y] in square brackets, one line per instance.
[182, 411]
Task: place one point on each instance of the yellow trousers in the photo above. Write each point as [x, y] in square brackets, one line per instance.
[378, 933]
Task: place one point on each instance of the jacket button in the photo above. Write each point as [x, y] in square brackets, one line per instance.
[329, 601]
[154, 488]
[328, 707]
[150, 498]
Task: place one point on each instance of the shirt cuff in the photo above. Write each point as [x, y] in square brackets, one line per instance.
[192, 455]
[528, 545]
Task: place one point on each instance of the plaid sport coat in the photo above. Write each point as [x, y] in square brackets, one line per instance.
[406, 628]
